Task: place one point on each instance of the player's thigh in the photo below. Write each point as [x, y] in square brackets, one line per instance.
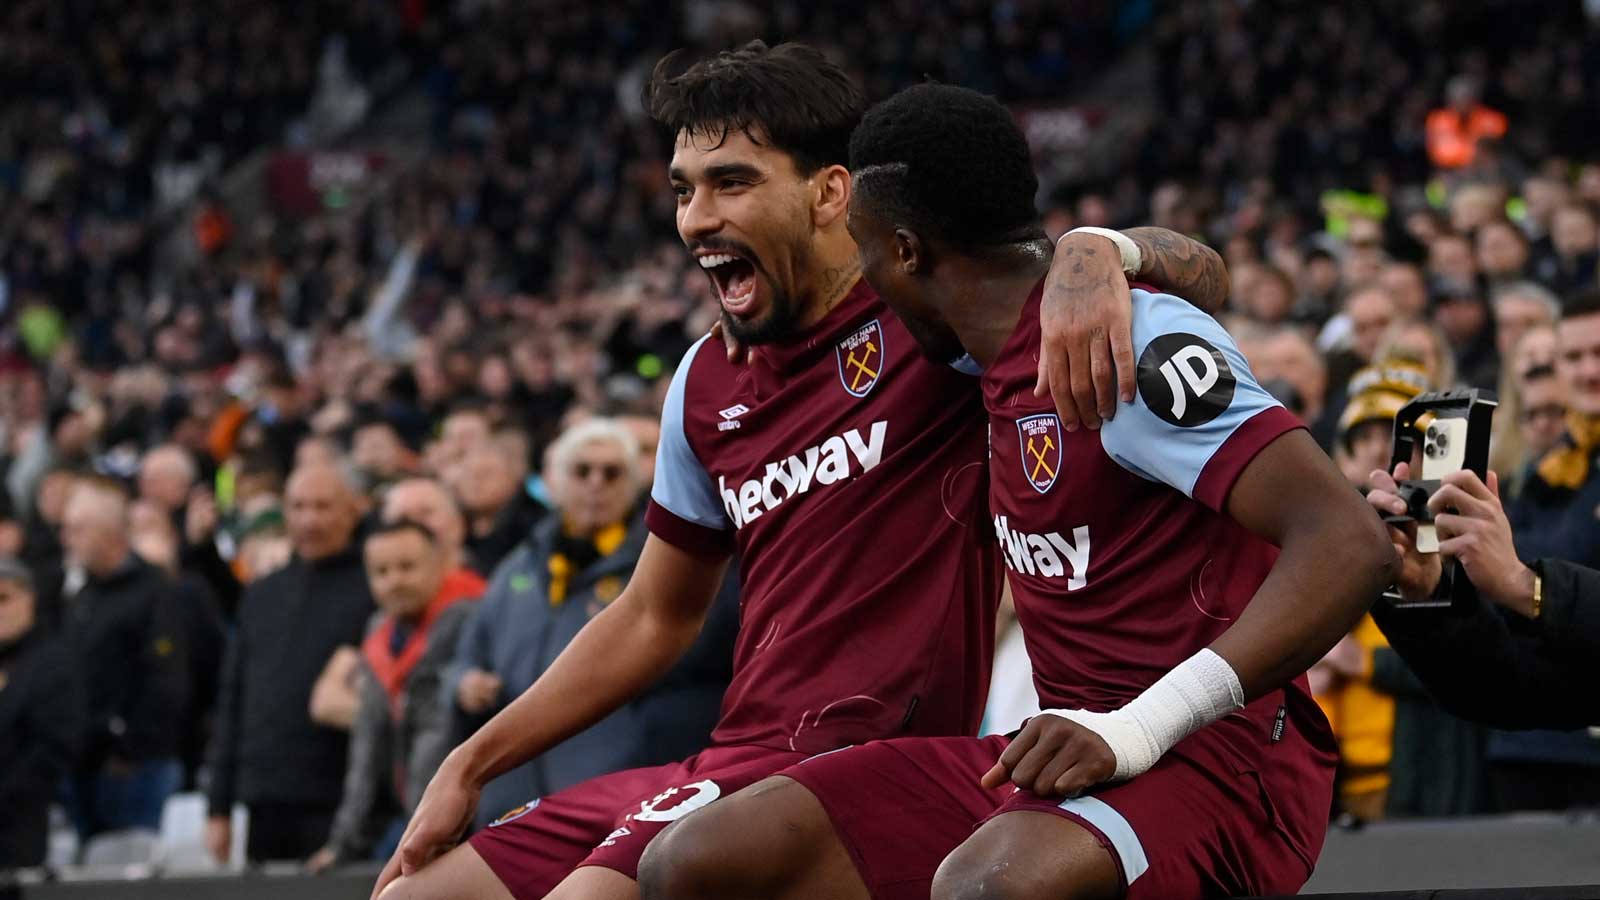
[460, 874]
[772, 839]
[1026, 855]
[899, 807]
[595, 883]
[534, 847]
[1182, 830]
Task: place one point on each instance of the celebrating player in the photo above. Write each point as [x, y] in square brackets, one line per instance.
[846, 469]
[1174, 572]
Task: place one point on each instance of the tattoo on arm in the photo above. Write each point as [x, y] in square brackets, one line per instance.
[1182, 265]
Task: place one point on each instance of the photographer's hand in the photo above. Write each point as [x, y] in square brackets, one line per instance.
[1479, 535]
[1419, 572]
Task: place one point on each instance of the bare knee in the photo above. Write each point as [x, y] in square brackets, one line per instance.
[962, 878]
[748, 844]
[994, 865]
[409, 887]
[460, 874]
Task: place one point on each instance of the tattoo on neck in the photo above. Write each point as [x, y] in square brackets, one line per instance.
[836, 282]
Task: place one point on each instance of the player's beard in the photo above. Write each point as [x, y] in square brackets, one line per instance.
[776, 325]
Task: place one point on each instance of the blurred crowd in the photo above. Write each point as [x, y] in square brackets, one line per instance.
[281, 524]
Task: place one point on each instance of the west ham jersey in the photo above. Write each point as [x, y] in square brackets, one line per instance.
[848, 472]
[1121, 558]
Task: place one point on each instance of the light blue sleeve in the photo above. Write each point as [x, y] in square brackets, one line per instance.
[966, 365]
[1195, 391]
[682, 486]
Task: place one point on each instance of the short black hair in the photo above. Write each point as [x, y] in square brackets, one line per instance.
[1583, 303]
[949, 162]
[400, 526]
[790, 96]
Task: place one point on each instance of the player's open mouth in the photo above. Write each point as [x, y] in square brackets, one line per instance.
[734, 278]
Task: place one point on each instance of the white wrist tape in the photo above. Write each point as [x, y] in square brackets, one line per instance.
[1199, 691]
[1132, 256]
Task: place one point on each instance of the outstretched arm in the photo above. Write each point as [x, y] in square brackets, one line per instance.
[1086, 357]
[622, 651]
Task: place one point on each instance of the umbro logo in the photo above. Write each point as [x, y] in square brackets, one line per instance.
[730, 416]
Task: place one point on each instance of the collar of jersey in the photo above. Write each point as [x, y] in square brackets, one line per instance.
[804, 349]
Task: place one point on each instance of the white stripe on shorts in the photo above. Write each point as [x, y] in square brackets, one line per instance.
[1116, 829]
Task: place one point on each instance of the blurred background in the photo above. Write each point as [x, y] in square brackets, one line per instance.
[272, 274]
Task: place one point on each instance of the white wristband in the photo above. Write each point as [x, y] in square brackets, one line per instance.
[1132, 257]
[1198, 691]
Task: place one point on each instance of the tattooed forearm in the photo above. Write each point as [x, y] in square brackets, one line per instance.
[1183, 266]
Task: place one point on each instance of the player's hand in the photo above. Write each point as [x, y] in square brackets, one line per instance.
[478, 692]
[219, 837]
[441, 818]
[1419, 572]
[736, 350]
[1086, 328]
[1054, 757]
[1478, 535]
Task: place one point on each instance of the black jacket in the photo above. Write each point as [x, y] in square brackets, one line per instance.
[267, 749]
[41, 722]
[1498, 668]
[132, 641]
[511, 528]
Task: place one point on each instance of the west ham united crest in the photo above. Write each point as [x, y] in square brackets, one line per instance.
[861, 356]
[1040, 439]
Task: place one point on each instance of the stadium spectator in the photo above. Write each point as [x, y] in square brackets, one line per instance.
[1406, 286]
[1400, 754]
[380, 453]
[42, 720]
[1514, 660]
[269, 754]
[568, 569]
[1553, 518]
[1574, 264]
[1541, 394]
[1532, 416]
[41, 543]
[491, 490]
[166, 475]
[1424, 344]
[1463, 315]
[154, 540]
[1518, 307]
[402, 727]
[1456, 129]
[336, 697]
[130, 639]
[1502, 251]
[1451, 261]
[427, 501]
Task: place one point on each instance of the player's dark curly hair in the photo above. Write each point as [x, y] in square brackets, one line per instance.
[790, 96]
[949, 163]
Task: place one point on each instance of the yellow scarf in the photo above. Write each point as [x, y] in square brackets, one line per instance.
[1567, 464]
[606, 541]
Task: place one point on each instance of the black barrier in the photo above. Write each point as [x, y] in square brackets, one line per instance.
[345, 884]
[1544, 857]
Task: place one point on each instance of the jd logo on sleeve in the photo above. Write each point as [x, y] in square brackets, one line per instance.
[1185, 380]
